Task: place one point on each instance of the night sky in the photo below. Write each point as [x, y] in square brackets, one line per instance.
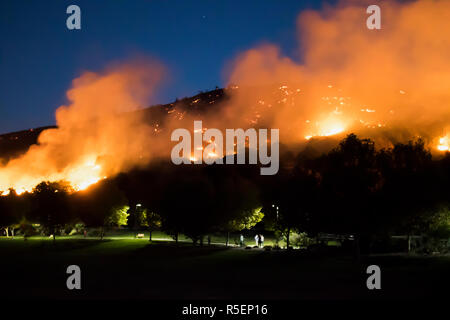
[194, 39]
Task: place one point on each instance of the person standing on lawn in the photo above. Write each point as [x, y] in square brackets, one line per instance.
[241, 240]
[257, 239]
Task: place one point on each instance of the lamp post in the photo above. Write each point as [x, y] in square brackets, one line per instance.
[277, 211]
[277, 208]
[136, 216]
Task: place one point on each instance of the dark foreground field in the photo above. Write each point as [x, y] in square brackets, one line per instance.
[137, 269]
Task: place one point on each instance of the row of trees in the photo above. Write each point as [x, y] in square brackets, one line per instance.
[353, 190]
[55, 206]
[360, 191]
[194, 202]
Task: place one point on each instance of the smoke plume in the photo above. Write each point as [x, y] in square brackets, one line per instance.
[392, 84]
[98, 135]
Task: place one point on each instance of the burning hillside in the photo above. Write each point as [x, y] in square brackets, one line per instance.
[391, 85]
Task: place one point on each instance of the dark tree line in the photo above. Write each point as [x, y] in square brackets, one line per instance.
[354, 189]
[357, 190]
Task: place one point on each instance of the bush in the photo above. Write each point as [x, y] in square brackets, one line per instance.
[432, 245]
[94, 233]
[75, 229]
[387, 244]
[301, 240]
[27, 230]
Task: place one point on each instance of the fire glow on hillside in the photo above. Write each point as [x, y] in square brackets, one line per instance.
[98, 133]
[389, 85]
[444, 144]
[80, 177]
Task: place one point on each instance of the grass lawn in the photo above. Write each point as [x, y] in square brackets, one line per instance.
[134, 268]
[122, 234]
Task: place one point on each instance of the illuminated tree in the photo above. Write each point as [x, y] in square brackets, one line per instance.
[247, 220]
[7, 215]
[238, 204]
[439, 223]
[119, 216]
[13, 210]
[290, 198]
[152, 220]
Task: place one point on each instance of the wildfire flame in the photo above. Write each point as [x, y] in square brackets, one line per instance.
[327, 127]
[444, 143]
[80, 177]
[85, 175]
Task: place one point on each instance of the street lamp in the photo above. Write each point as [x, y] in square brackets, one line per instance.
[136, 215]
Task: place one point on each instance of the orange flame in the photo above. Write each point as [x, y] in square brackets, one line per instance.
[97, 135]
[444, 143]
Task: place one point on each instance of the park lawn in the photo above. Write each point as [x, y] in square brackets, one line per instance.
[134, 268]
[123, 234]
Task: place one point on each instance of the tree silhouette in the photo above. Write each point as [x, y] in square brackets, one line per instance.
[410, 188]
[50, 205]
[10, 213]
[349, 180]
[97, 204]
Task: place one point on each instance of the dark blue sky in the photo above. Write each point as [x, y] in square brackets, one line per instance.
[195, 39]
